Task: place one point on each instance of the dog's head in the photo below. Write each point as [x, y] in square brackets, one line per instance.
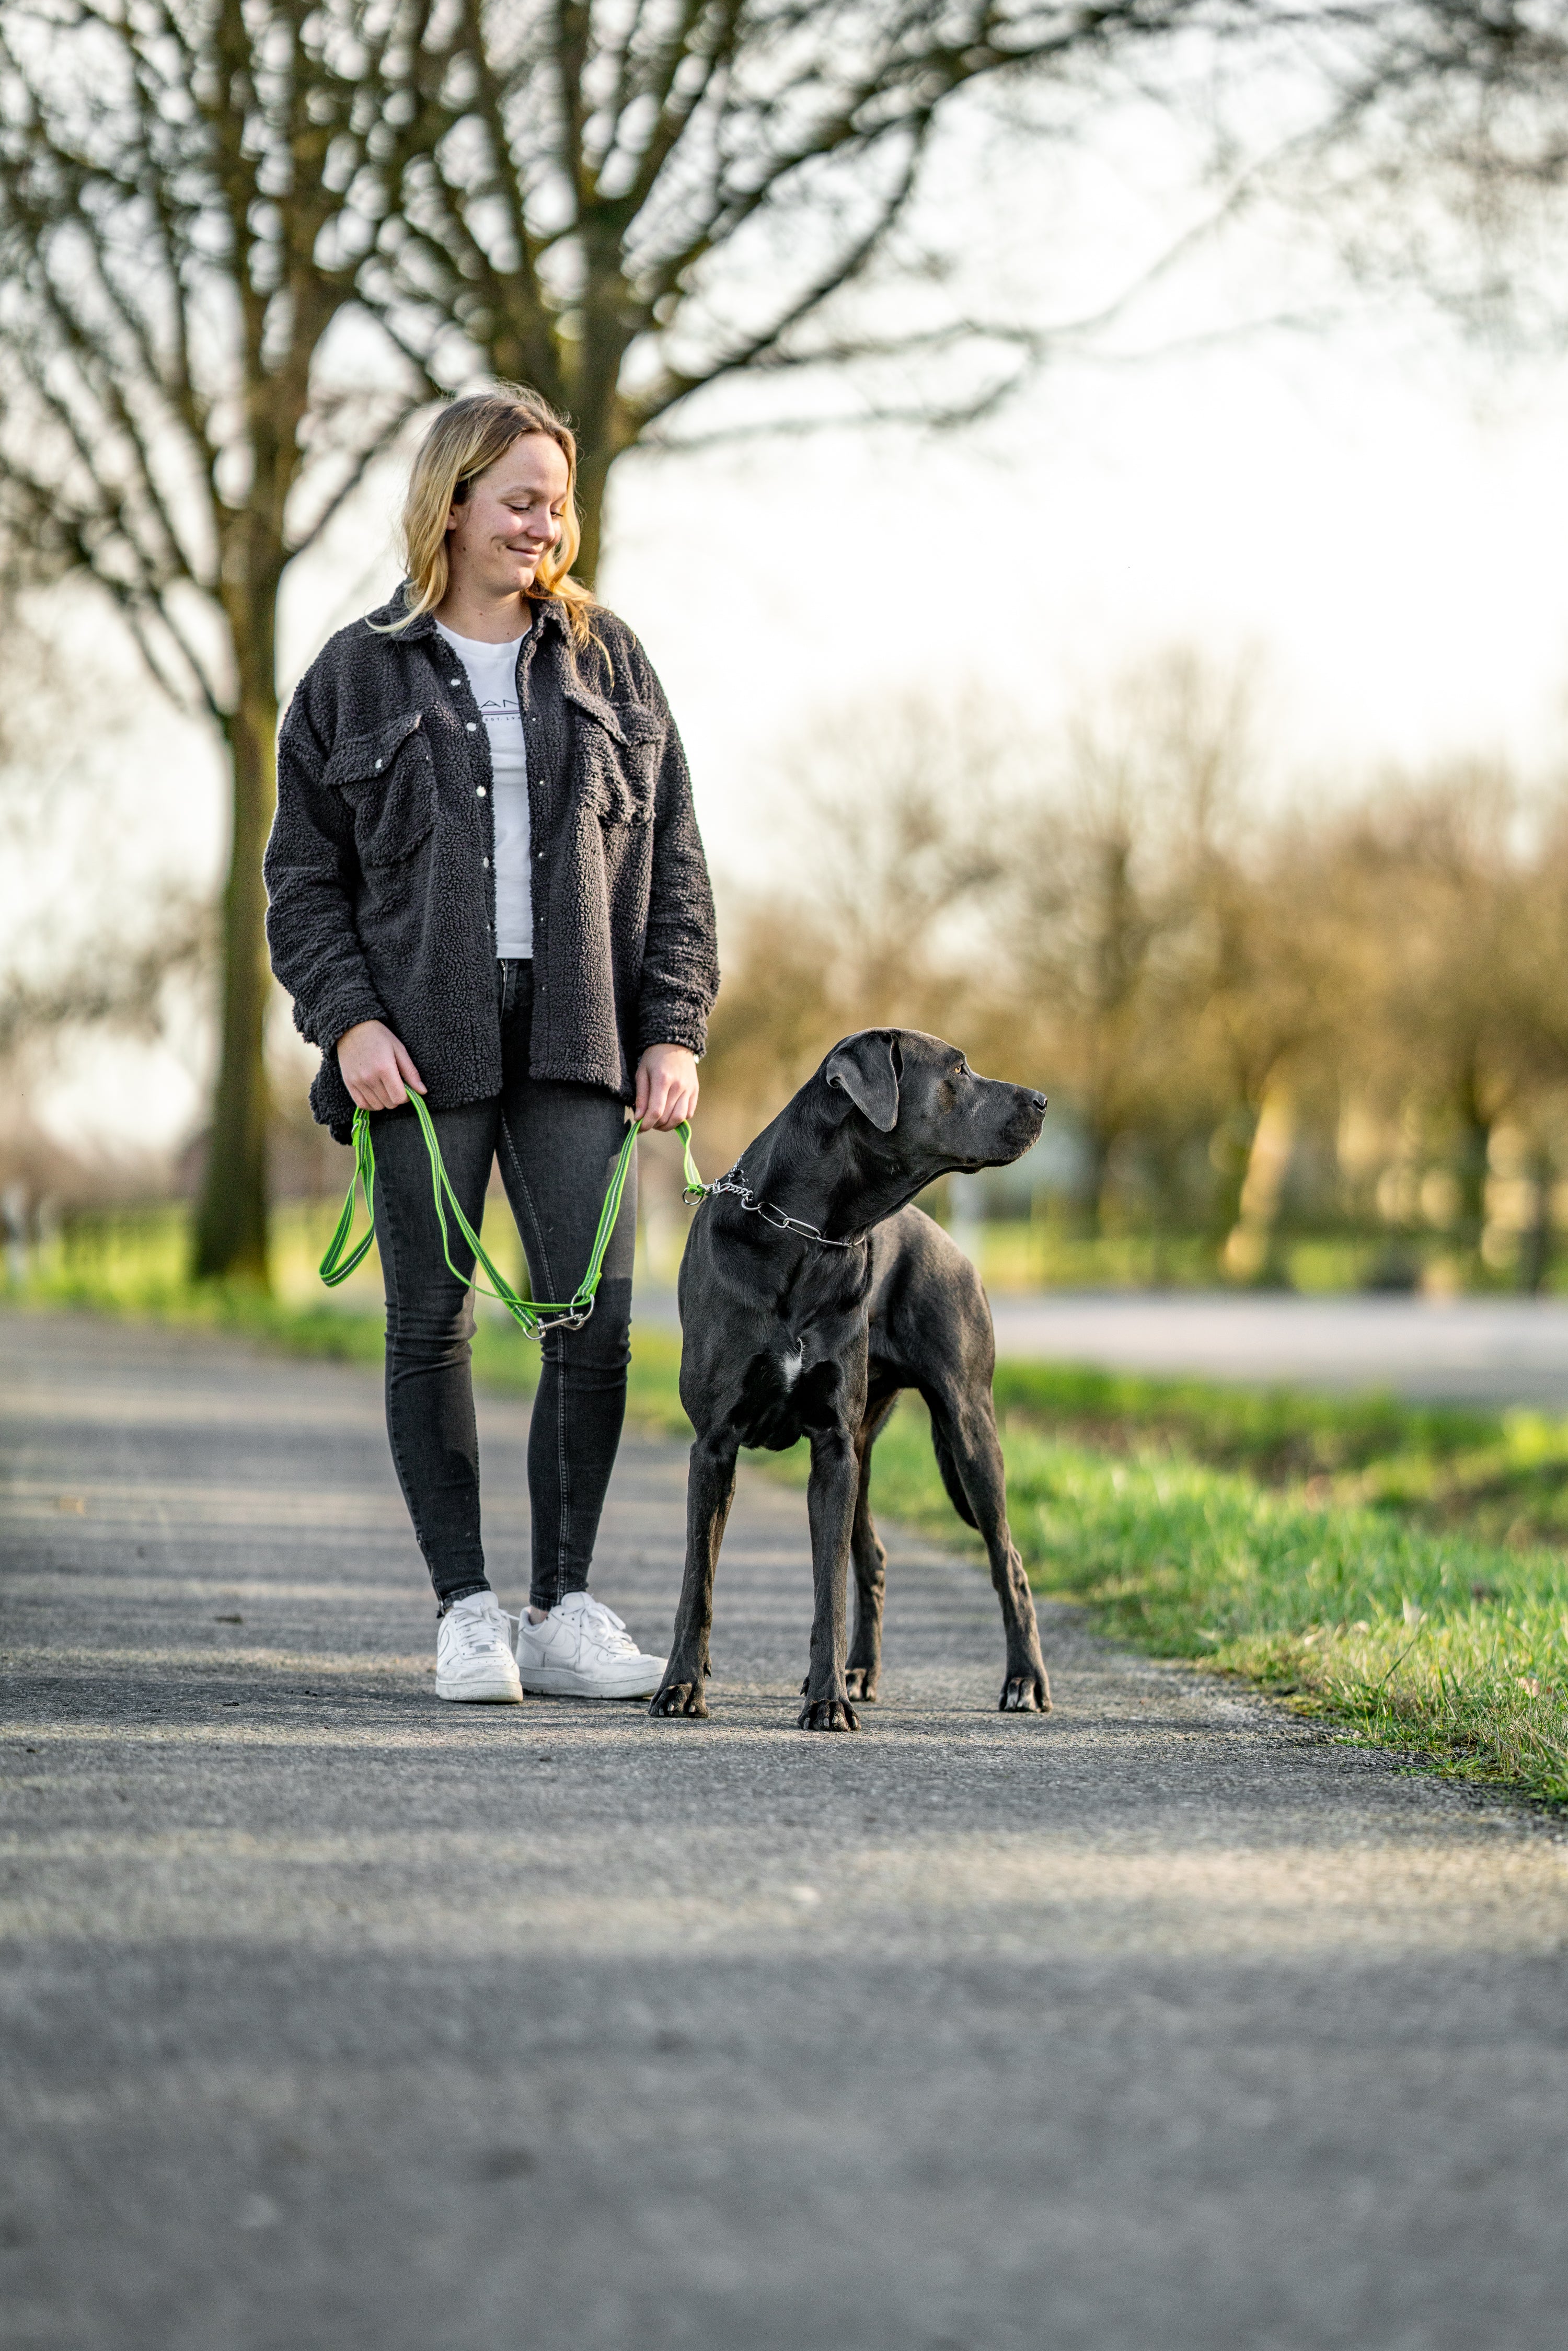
[924, 1105]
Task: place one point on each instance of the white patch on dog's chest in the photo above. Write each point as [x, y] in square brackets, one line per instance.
[789, 1364]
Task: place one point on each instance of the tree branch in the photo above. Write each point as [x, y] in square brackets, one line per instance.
[364, 458]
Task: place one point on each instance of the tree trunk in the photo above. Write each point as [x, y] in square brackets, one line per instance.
[1231, 1147]
[592, 477]
[231, 1232]
[604, 429]
[1473, 1159]
[1535, 1251]
[1252, 1251]
[1096, 1180]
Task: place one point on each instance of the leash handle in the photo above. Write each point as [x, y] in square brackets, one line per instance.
[334, 1267]
[533, 1316]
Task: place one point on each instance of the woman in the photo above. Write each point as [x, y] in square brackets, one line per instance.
[487, 885]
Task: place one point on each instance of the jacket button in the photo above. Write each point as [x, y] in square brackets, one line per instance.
[486, 864]
[473, 727]
[379, 764]
[479, 792]
[454, 681]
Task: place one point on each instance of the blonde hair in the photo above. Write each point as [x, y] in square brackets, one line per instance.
[466, 441]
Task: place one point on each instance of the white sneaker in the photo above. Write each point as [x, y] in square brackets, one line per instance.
[581, 1649]
[473, 1655]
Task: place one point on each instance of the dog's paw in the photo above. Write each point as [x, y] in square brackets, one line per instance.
[1025, 1694]
[827, 1714]
[860, 1681]
[679, 1698]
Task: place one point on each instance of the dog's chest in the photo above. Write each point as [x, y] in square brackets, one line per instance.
[783, 1396]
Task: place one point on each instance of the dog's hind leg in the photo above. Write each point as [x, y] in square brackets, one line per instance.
[710, 1490]
[969, 1456]
[869, 1559]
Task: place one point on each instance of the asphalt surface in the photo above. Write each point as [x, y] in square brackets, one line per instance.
[1484, 1351]
[332, 2017]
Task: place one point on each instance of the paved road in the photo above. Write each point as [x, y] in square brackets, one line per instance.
[335, 2019]
[1487, 1350]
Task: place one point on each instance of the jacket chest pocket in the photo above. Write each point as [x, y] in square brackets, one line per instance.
[621, 754]
[387, 778]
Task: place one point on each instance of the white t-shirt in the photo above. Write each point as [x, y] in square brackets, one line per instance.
[493, 675]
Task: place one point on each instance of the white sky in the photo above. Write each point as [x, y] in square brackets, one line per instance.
[1394, 559]
[1366, 510]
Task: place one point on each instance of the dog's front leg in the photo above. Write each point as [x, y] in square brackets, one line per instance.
[710, 1489]
[830, 1507]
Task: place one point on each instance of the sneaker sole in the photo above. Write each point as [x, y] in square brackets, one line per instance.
[556, 1682]
[481, 1697]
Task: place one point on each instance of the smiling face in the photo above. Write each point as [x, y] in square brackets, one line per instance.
[510, 518]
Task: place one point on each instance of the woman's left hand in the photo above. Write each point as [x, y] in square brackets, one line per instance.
[666, 1086]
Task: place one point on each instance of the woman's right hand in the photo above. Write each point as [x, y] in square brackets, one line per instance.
[377, 1070]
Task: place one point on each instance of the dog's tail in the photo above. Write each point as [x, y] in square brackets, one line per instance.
[947, 1462]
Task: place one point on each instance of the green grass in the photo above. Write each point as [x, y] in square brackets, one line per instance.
[1386, 1567]
[1501, 1476]
[1440, 1642]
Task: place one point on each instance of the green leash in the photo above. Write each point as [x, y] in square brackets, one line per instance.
[533, 1315]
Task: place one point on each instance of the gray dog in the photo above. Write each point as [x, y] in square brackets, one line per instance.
[812, 1294]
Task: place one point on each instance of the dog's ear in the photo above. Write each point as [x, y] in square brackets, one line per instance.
[866, 1069]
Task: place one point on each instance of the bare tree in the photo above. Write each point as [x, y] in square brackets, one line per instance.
[1351, 1009]
[188, 189]
[1429, 895]
[120, 985]
[1440, 159]
[127, 979]
[1120, 923]
[879, 909]
[640, 201]
[194, 194]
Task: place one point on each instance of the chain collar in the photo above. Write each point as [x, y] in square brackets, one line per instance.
[772, 1215]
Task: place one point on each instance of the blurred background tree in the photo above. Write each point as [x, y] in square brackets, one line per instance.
[1265, 1018]
[187, 193]
[194, 194]
[243, 240]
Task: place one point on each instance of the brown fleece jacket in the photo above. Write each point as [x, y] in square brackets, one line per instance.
[380, 876]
